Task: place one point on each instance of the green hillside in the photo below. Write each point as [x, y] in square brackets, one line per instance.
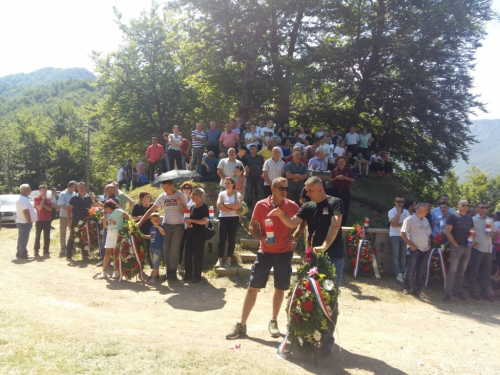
[13, 85]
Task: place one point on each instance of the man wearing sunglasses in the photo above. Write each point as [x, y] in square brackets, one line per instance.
[458, 227]
[480, 258]
[396, 217]
[277, 255]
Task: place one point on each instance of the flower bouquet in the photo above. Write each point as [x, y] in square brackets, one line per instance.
[361, 252]
[312, 305]
[133, 252]
[438, 261]
[88, 232]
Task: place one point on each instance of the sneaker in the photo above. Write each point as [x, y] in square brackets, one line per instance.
[475, 296]
[218, 264]
[227, 265]
[399, 277]
[152, 280]
[447, 298]
[406, 291]
[102, 275]
[327, 347]
[237, 331]
[99, 264]
[460, 296]
[273, 328]
[486, 297]
[116, 275]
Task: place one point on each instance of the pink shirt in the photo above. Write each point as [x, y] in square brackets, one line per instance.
[43, 214]
[229, 139]
[154, 153]
[281, 231]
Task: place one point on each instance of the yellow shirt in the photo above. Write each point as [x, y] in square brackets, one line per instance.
[266, 153]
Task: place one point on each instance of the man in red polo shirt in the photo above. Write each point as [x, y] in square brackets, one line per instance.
[342, 178]
[43, 205]
[277, 255]
[229, 139]
[154, 154]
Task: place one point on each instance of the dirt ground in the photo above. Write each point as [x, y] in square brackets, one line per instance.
[55, 318]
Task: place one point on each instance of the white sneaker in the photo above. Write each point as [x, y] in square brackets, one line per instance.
[218, 264]
[227, 264]
[116, 275]
[102, 275]
[399, 277]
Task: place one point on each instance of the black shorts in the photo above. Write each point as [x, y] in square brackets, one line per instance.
[282, 264]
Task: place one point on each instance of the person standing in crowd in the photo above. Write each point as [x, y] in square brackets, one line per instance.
[166, 162]
[121, 176]
[241, 153]
[277, 255]
[128, 174]
[195, 237]
[267, 133]
[397, 216]
[458, 227]
[139, 211]
[267, 152]
[365, 139]
[273, 168]
[174, 204]
[336, 137]
[228, 202]
[113, 221]
[428, 203]
[213, 137]
[317, 161]
[63, 202]
[322, 131]
[339, 150]
[185, 153]
[186, 188]
[481, 255]
[252, 137]
[290, 158]
[227, 166]
[311, 150]
[235, 127]
[410, 205]
[296, 174]
[248, 129]
[109, 193]
[208, 167]
[154, 154]
[78, 208]
[323, 216]
[436, 212]
[140, 167]
[352, 140]
[123, 198]
[155, 239]
[198, 137]
[240, 181]
[229, 139]
[55, 208]
[416, 233]
[325, 146]
[341, 181]
[253, 163]
[43, 206]
[439, 225]
[174, 148]
[25, 217]
[285, 148]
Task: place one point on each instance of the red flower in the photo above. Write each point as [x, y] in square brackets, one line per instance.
[294, 304]
[366, 268]
[141, 255]
[126, 246]
[136, 265]
[82, 238]
[298, 292]
[350, 251]
[84, 229]
[308, 254]
[296, 317]
[119, 238]
[308, 305]
[307, 285]
[127, 272]
[350, 238]
[365, 252]
[353, 262]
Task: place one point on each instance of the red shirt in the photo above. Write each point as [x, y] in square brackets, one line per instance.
[281, 231]
[43, 214]
[184, 146]
[289, 158]
[310, 152]
[229, 140]
[342, 185]
[155, 153]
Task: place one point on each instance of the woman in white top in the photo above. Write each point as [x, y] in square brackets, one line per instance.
[174, 148]
[228, 203]
[339, 150]
[252, 138]
[186, 189]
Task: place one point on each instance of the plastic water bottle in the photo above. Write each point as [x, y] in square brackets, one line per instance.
[442, 224]
[366, 223]
[470, 239]
[211, 213]
[187, 213]
[270, 231]
[489, 223]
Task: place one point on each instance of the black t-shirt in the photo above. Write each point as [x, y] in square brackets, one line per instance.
[128, 171]
[140, 210]
[255, 164]
[319, 218]
[198, 214]
[462, 225]
[303, 194]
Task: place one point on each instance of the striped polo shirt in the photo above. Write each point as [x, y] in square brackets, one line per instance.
[195, 133]
[274, 169]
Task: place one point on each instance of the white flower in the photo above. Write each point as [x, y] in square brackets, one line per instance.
[330, 311]
[317, 335]
[328, 284]
[75, 229]
[100, 221]
[294, 279]
[80, 222]
[86, 248]
[301, 341]
[101, 231]
[77, 240]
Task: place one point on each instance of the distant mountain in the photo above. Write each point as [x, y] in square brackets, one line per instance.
[12, 85]
[484, 154]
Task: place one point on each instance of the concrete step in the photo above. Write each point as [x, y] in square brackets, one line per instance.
[253, 244]
[245, 270]
[251, 257]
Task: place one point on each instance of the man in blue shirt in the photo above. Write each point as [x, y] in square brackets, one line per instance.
[439, 225]
[436, 212]
[213, 137]
[78, 208]
[64, 198]
[208, 167]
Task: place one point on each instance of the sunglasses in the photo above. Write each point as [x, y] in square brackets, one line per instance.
[484, 207]
[281, 188]
[399, 201]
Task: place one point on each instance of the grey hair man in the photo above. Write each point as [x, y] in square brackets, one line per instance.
[25, 217]
[63, 202]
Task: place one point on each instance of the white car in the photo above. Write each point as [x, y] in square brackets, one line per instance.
[8, 208]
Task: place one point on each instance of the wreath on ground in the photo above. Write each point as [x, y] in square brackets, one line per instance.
[88, 232]
[133, 251]
[368, 250]
[312, 304]
[439, 254]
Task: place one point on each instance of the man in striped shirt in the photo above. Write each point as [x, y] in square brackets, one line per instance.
[198, 137]
[273, 168]
[227, 167]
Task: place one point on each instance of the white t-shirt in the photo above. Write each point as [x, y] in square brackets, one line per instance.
[121, 174]
[418, 231]
[257, 134]
[339, 151]
[228, 200]
[374, 156]
[249, 137]
[23, 203]
[396, 231]
[175, 139]
[266, 133]
[173, 212]
[351, 139]
[326, 152]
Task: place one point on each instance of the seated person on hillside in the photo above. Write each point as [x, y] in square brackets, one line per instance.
[360, 164]
[351, 162]
[388, 170]
[376, 163]
[208, 167]
[136, 179]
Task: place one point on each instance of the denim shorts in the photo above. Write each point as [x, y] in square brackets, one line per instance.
[155, 255]
[282, 264]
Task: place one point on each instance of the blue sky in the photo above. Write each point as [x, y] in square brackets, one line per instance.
[62, 34]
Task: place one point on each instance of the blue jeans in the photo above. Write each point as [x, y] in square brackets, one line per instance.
[183, 160]
[23, 238]
[155, 255]
[415, 267]
[398, 248]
